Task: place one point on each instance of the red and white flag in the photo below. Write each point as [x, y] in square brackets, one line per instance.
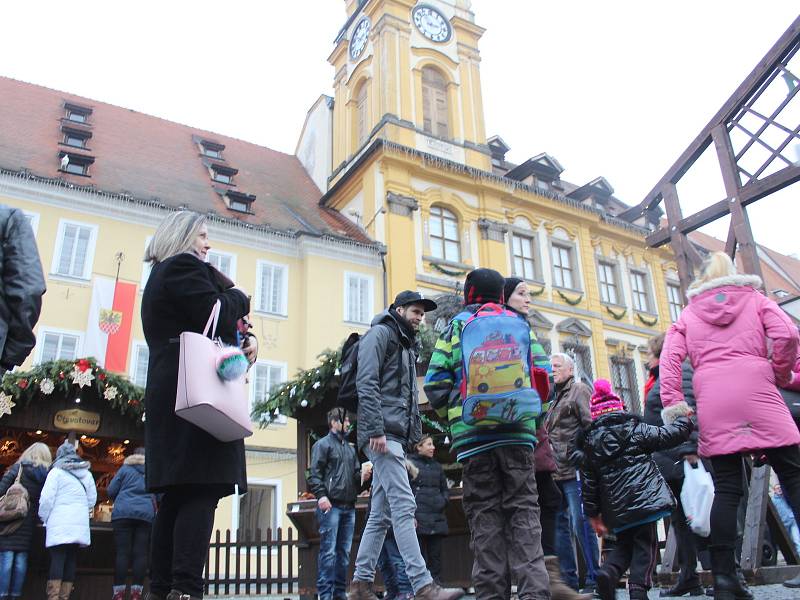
[108, 332]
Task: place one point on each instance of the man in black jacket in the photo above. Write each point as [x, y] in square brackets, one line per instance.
[334, 481]
[21, 290]
[389, 424]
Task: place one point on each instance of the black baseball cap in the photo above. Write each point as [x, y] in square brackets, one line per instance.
[408, 297]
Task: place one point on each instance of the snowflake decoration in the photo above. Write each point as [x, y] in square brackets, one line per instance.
[110, 393]
[6, 404]
[47, 386]
[81, 378]
[316, 385]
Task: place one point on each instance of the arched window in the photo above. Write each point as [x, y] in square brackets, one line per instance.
[361, 114]
[444, 235]
[434, 103]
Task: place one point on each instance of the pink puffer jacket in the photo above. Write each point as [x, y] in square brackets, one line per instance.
[725, 332]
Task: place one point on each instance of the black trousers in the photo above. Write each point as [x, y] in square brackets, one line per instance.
[180, 539]
[549, 503]
[131, 543]
[687, 543]
[63, 560]
[636, 548]
[728, 489]
[431, 548]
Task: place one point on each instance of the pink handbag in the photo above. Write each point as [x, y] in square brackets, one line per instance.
[219, 407]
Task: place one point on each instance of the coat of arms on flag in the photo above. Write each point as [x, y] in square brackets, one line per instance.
[110, 320]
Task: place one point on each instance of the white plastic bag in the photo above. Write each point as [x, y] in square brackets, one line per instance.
[697, 496]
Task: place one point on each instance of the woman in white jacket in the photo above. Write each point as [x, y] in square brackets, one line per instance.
[67, 496]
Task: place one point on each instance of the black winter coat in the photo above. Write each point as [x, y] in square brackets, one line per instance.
[669, 461]
[620, 480]
[430, 491]
[32, 480]
[179, 296]
[335, 470]
[21, 288]
[387, 382]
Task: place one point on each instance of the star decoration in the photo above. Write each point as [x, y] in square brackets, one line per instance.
[81, 378]
[110, 393]
[47, 386]
[6, 404]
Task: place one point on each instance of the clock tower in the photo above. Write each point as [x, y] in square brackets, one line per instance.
[408, 72]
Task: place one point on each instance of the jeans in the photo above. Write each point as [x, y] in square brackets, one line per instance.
[63, 562]
[180, 540]
[13, 567]
[393, 569]
[637, 548]
[571, 522]
[335, 538]
[728, 489]
[392, 504]
[501, 505]
[131, 543]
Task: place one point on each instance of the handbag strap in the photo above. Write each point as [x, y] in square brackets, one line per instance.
[213, 318]
[19, 474]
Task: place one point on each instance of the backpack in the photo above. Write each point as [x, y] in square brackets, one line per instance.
[348, 394]
[497, 368]
[14, 506]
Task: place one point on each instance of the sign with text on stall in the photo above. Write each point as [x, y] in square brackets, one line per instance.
[75, 419]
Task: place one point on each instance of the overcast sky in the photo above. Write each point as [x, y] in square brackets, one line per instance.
[613, 88]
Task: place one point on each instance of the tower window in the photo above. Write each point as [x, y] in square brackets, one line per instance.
[434, 103]
[361, 114]
[445, 244]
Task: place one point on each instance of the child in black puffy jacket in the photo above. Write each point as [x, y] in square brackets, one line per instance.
[623, 490]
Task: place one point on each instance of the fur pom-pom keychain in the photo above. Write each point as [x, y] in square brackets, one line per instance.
[231, 363]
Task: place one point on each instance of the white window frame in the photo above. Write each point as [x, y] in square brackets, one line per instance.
[146, 266]
[221, 254]
[284, 295]
[615, 283]
[277, 515]
[369, 311]
[445, 215]
[676, 286]
[58, 331]
[574, 273]
[529, 238]
[646, 291]
[33, 219]
[90, 249]
[284, 367]
[136, 346]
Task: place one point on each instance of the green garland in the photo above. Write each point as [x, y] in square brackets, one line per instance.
[570, 301]
[538, 292]
[648, 322]
[617, 316]
[441, 269]
[67, 378]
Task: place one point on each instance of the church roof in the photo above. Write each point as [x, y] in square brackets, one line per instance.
[151, 158]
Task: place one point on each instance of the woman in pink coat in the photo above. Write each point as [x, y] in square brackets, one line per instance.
[726, 330]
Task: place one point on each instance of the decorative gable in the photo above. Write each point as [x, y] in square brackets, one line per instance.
[575, 327]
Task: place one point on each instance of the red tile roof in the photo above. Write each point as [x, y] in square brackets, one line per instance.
[149, 158]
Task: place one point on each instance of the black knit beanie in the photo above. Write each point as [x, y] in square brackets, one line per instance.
[482, 286]
[510, 286]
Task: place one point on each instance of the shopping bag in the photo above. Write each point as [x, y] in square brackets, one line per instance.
[697, 496]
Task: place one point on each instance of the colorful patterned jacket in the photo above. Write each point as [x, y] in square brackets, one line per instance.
[443, 385]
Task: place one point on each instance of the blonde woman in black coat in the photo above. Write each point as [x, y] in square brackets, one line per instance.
[190, 467]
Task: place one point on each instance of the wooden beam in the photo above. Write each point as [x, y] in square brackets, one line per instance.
[730, 242]
[681, 246]
[750, 85]
[755, 519]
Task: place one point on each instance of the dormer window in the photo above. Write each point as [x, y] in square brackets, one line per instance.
[75, 164]
[211, 149]
[222, 174]
[75, 138]
[239, 202]
[76, 113]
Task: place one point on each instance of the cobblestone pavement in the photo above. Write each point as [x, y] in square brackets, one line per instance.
[761, 592]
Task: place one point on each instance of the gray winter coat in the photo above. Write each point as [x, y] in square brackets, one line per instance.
[21, 290]
[387, 382]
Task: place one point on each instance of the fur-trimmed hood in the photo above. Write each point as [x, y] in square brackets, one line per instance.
[134, 459]
[753, 281]
[670, 413]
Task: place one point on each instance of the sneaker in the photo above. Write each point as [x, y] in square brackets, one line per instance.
[432, 591]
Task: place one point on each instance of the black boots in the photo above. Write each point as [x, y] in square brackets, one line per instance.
[727, 585]
[690, 586]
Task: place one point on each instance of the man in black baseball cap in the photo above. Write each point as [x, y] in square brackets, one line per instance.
[407, 297]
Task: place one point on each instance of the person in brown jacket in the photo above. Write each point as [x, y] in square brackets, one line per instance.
[568, 415]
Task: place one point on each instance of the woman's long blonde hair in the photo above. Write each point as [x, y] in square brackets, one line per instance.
[37, 454]
[174, 235]
[716, 265]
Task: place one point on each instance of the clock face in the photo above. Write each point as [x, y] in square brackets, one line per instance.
[431, 23]
[358, 40]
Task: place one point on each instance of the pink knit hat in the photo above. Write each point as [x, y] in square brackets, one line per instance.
[604, 401]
